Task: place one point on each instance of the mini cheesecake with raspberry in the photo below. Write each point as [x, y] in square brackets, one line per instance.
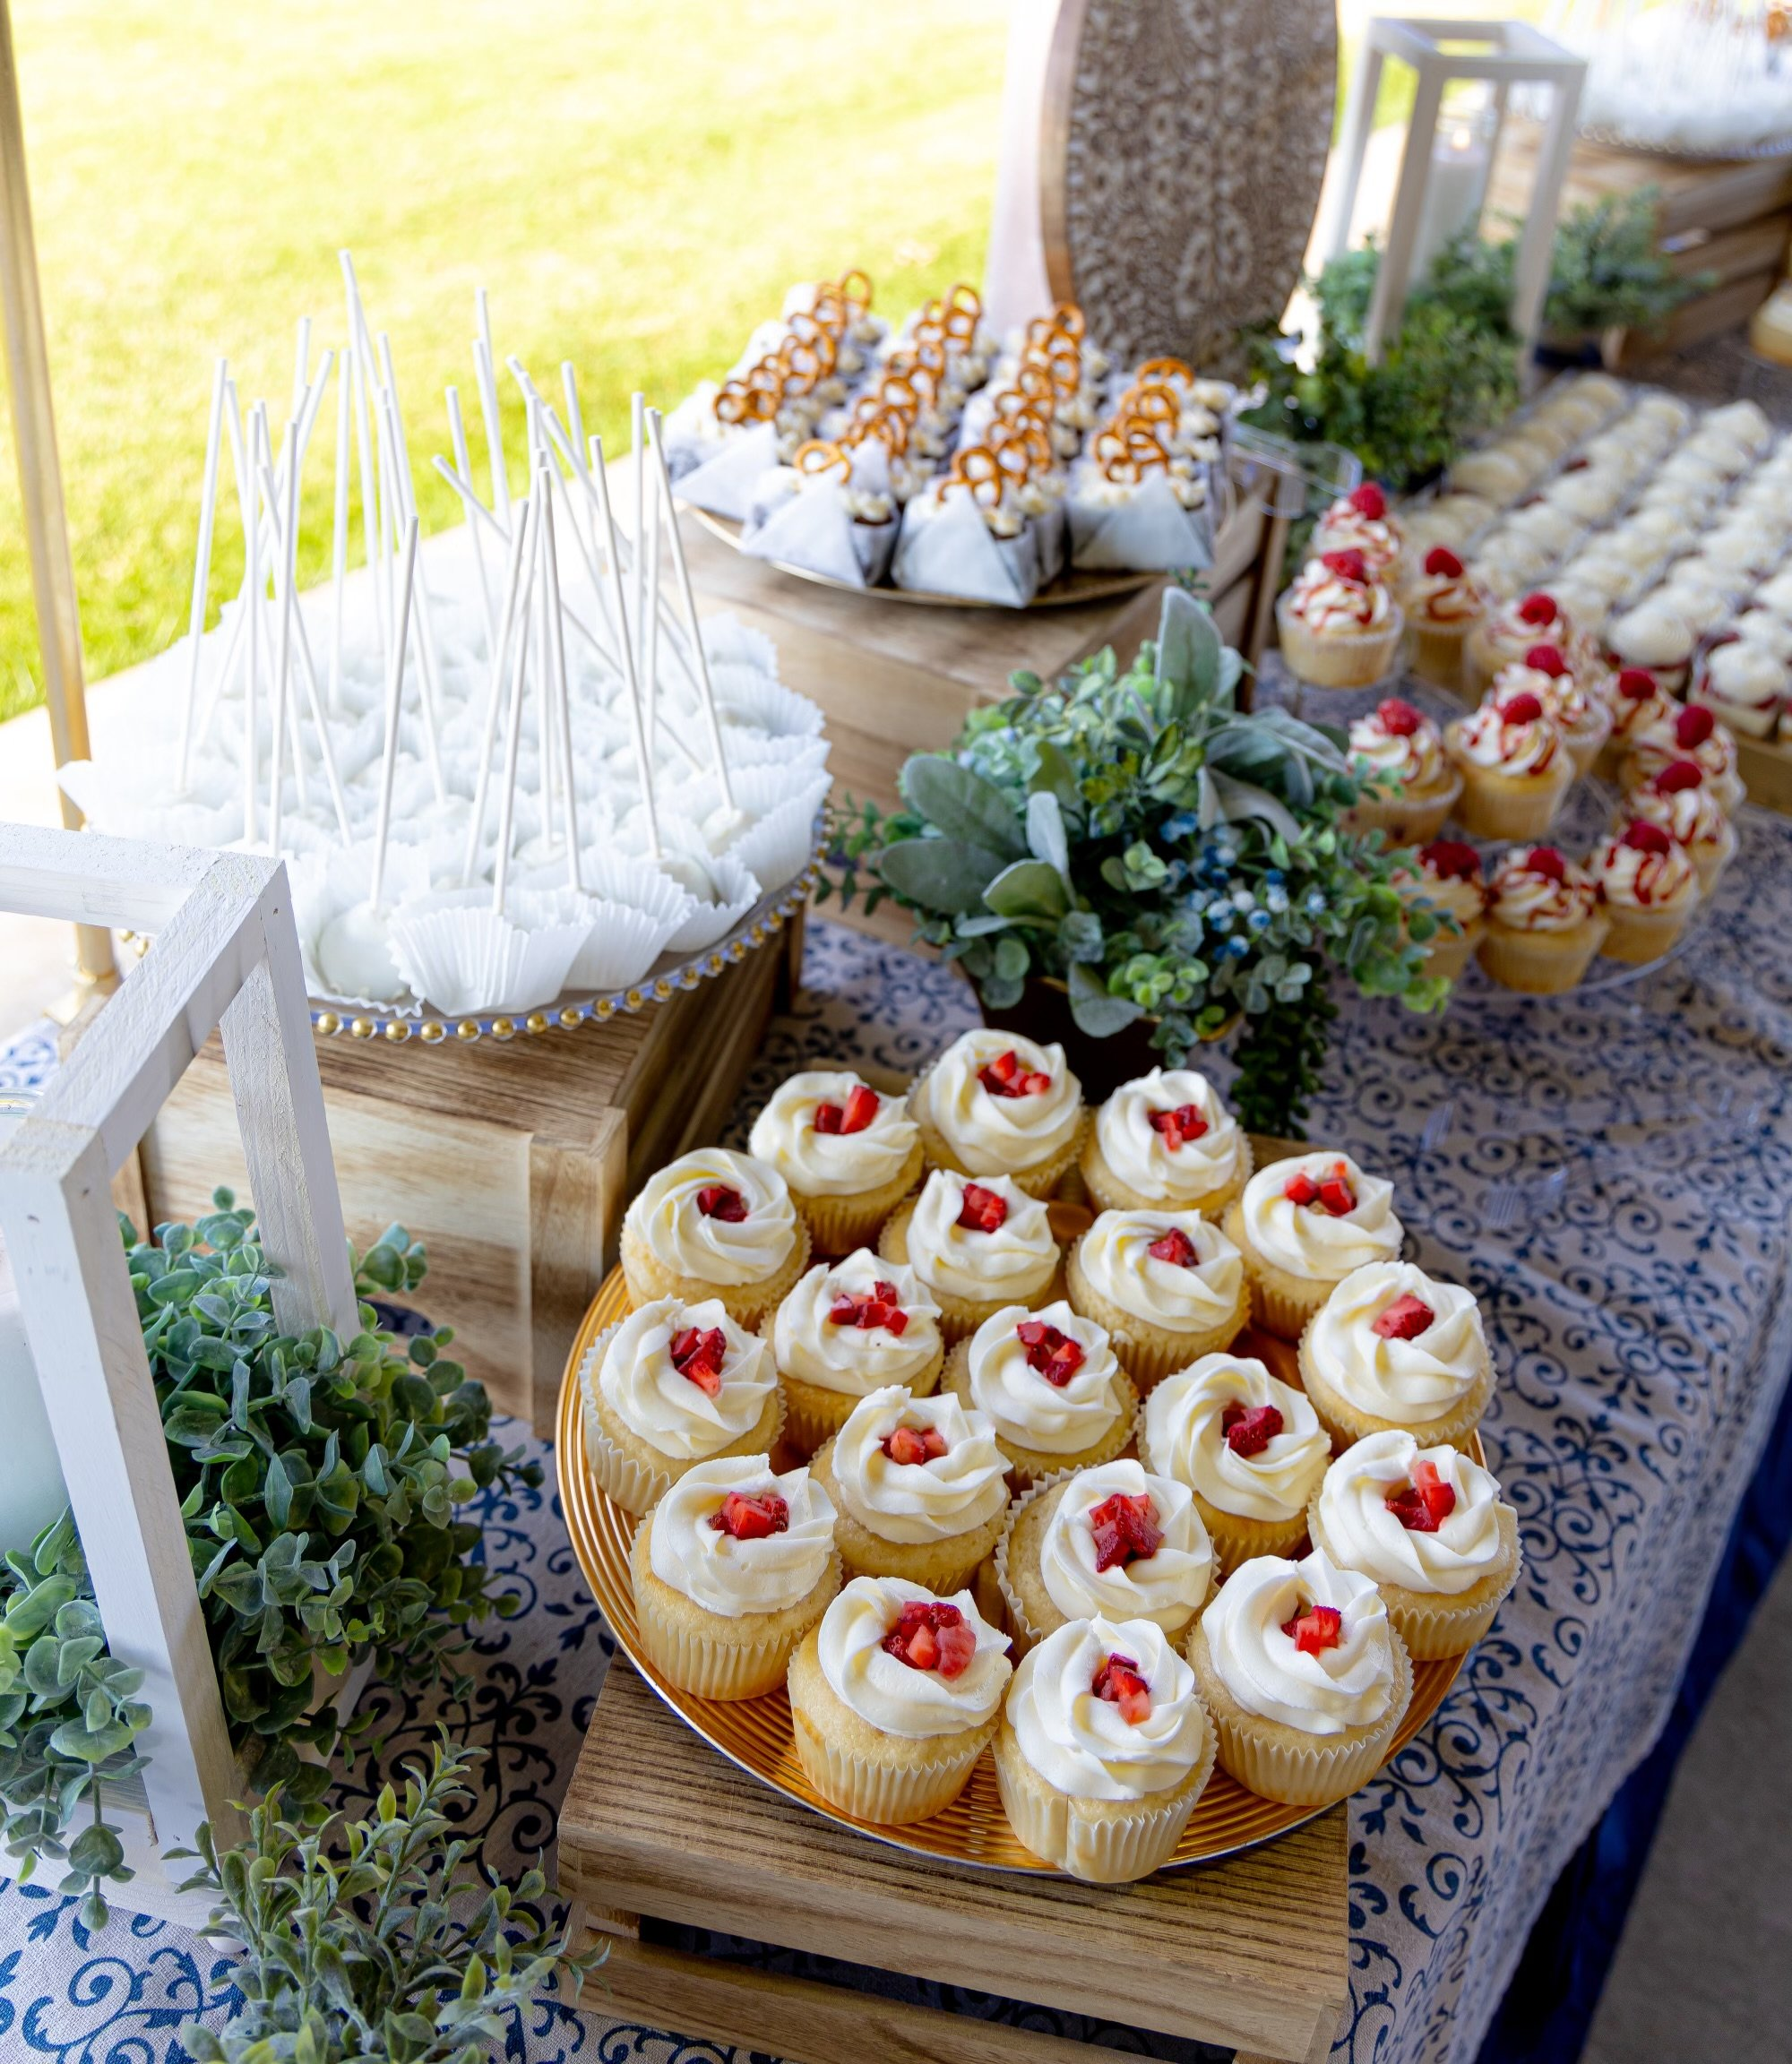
[714, 1224]
[1362, 522]
[848, 1154]
[1649, 887]
[1678, 798]
[1545, 921]
[976, 1245]
[1050, 1385]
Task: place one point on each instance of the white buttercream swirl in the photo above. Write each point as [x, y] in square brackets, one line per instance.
[830, 1164]
[1309, 1241]
[1348, 1686]
[666, 1220]
[1116, 1259]
[1014, 1261]
[646, 1390]
[1000, 1134]
[1167, 1588]
[1084, 1746]
[1135, 1149]
[914, 1502]
[1023, 1406]
[854, 1360]
[887, 1693]
[1185, 1437]
[722, 1575]
[1365, 1536]
[1411, 1380]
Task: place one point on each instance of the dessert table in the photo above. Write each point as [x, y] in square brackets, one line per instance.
[1608, 1170]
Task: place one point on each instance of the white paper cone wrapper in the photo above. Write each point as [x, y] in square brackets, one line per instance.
[747, 697]
[461, 955]
[329, 883]
[793, 756]
[724, 485]
[953, 554]
[777, 848]
[1149, 532]
[621, 942]
[728, 641]
[736, 890]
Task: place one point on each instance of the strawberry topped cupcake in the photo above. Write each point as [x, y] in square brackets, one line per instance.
[1446, 881]
[1164, 1140]
[1360, 521]
[1690, 732]
[849, 1328]
[995, 1103]
[1648, 886]
[1248, 1446]
[1168, 1286]
[848, 1154]
[1508, 632]
[1515, 767]
[975, 1247]
[1638, 702]
[1443, 603]
[1400, 749]
[714, 1224]
[1051, 1387]
[1114, 1541]
[1338, 623]
[1678, 799]
[1302, 1225]
[1544, 922]
[1395, 1348]
[1583, 716]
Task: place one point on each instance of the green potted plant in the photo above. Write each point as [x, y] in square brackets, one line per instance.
[1127, 862]
[1608, 274]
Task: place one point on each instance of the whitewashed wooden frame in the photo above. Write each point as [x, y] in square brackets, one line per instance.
[224, 956]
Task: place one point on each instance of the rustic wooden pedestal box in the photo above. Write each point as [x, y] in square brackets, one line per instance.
[659, 1828]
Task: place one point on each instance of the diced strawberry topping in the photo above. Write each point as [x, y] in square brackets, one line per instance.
[1250, 1428]
[1521, 708]
[1335, 1193]
[1537, 608]
[1005, 1077]
[883, 1307]
[717, 1200]
[861, 1107]
[931, 1635]
[913, 1445]
[1452, 860]
[1318, 1628]
[1050, 1354]
[1347, 565]
[1644, 836]
[1635, 684]
[1425, 1503]
[1119, 1683]
[751, 1515]
[1399, 719]
[983, 1210]
[1546, 861]
[1300, 1188]
[1677, 775]
[700, 1356]
[1126, 1530]
[1692, 725]
[1442, 560]
[1546, 659]
[829, 1117]
[1176, 1248]
[1404, 1320]
[1174, 1127]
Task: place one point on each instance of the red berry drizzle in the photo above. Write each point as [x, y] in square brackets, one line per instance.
[982, 1210]
[1126, 1530]
[931, 1635]
[699, 1355]
[1050, 1354]
[1404, 1320]
[1005, 1077]
[883, 1307]
[1119, 1683]
[1423, 1505]
[914, 1445]
[751, 1515]
[1176, 1248]
[717, 1200]
[853, 1116]
[1313, 1632]
[1174, 1127]
[1250, 1428]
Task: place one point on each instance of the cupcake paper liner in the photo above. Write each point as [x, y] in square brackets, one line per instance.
[1437, 653]
[813, 1415]
[1448, 953]
[747, 1303]
[1433, 1626]
[959, 1317]
[1238, 1540]
[1107, 1193]
[1279, 1762]
[943, 1566]
[1102, 1841]
[1342, 659]
[1282, 1303]
[841, 1224]
[1409, 820]
[1540, 963]
[707, 1664]
[1640, 935]
[1347, 1424]
[1494, 806]
[1149, 1353]
[1032, 1465]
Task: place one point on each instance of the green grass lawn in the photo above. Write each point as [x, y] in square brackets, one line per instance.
[635, 181]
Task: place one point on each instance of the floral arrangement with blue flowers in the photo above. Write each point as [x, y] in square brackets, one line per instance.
[1163, 854]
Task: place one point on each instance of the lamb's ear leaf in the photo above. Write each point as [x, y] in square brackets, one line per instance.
[1095, 1011]
[962, 803]
[1188, 657]
[942, 874]
[1030, 888]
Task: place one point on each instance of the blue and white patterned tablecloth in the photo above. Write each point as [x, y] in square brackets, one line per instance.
[1611, 1173]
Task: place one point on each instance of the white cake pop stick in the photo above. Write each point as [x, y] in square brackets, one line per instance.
[326, 751]
[339, 536]
[514, 729]
[201, 564]
[457, 431]
[271, 480]
[251, 716]
[643, 758]
[650, 672]
[563, 715]
[500, 663]
[478, 511]
[363, 379]
[428, 689]
[394, 696]
[486, 375]
[637, 425]
[283, 586]
[301, 370]
[656, 435]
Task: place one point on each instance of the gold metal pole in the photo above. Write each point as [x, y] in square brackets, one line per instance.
[41, 476]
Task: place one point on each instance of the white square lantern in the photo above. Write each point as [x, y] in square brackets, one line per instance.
[1466, 73]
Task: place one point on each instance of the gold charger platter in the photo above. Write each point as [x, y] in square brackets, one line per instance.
[1064, 592]
[756, 1734]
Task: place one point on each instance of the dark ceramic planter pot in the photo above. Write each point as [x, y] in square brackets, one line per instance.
[1100, 1065]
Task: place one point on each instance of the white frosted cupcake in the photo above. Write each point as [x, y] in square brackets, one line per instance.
[1306, 1680]
[848, 1329]
[996, 1104]
[1166, 1143]
[1248, 1446]
[1649, 887]
[1302, 1225]
[1051, 1387]
[848, 1154]
[1398, 747]
[1103, 1749]
[1114, 1541]
[1166, 1285]
[731, 1568]
[1681, 802]
[920, 1487]
[1393, 1347]
[714, 1224]
[894, 1696]
[975, 1246]
[669, 1387]
[1429, 1526]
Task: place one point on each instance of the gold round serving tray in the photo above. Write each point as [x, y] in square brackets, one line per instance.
[756, 1733]
[1064, 592]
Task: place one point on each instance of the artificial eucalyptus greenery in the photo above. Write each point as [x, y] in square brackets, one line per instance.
[1136, 835]
[393, 1947]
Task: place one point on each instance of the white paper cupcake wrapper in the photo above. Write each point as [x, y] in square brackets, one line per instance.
[461, 955]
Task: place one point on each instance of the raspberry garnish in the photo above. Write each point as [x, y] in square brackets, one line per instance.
[1422, 1506]
[1546, 861]
[1399, 719]
[1318, 1628]
[717, 1200]
[1644, 836]
[1369, 501]
[1537, 608]
[1126, 1530]
[1546, 659]
[983, 1210]
[914, 1444]
[1119, 1683]
[1677, 775]
[1635, 684]
[1250, 1428]
[931, 1635]
[700, 1355]
[1050, 1354]
[881, 1307]
[1452, 859]
[1404, 1320]
[751, 1515]
[1692, 725]
[1442, 560]
[1521, 708]
[1174, 1127]
[1176, 1248]
[1005, 1077]
[1347, 565]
